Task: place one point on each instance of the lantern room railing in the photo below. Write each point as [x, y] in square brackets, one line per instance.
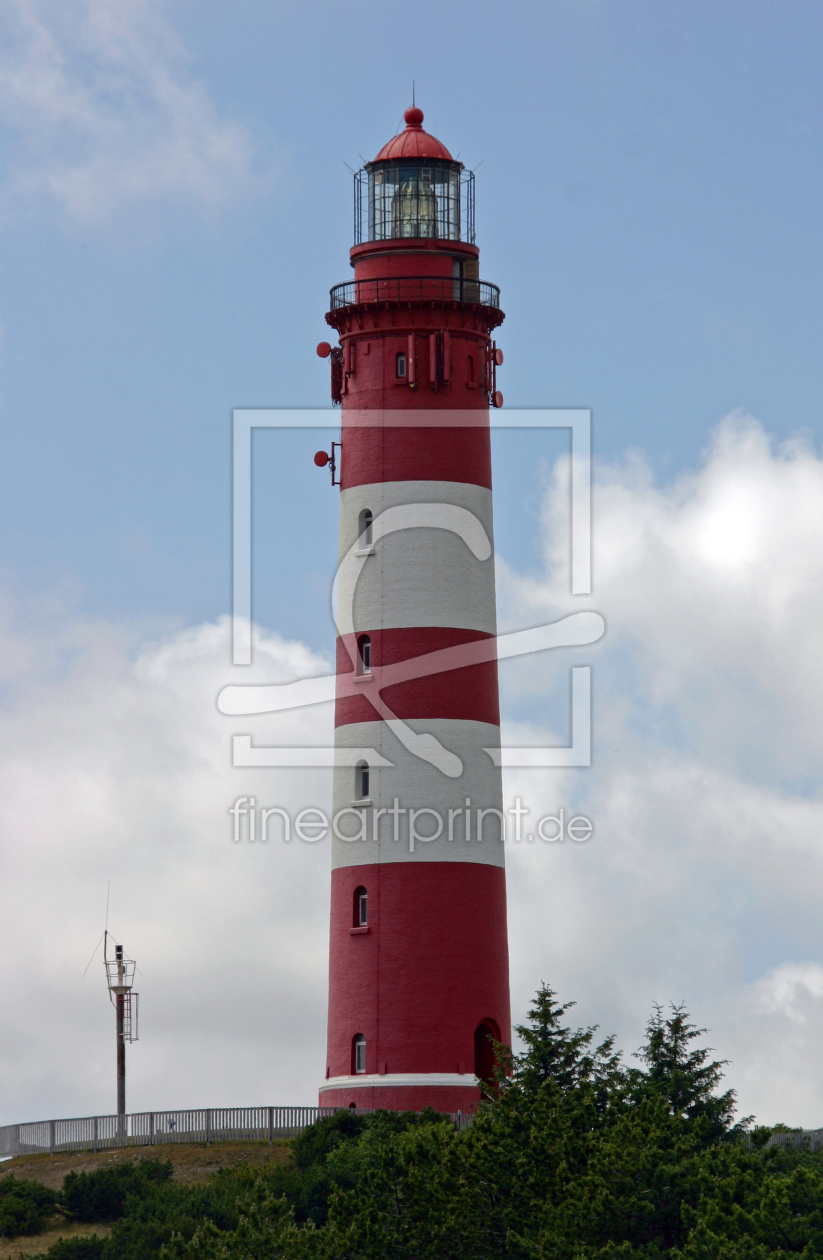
[415, 289]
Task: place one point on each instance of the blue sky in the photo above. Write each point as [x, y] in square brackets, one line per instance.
[175, 204]
[649, 202]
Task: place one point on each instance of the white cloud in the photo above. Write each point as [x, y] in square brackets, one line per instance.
[101, 112]
[706, 869]
[702, 882]
[116, 765]
[792, 992]
[780, 1019]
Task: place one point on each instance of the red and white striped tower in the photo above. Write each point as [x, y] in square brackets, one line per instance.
[418, 969]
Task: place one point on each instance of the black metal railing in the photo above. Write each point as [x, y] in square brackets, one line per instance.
[414, 289]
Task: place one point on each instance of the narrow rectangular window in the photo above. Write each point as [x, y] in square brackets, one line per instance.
[360, 908]
[364, 655]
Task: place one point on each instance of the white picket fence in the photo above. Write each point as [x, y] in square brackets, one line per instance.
[155, 1128]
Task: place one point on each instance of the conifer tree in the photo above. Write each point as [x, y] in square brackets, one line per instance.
[555, 1053]
[683, 1073]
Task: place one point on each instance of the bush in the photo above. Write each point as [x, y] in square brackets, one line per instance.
[101, 1196]
[89, 1247]
[134, 1239]
[324, 1136]
[25, 1207]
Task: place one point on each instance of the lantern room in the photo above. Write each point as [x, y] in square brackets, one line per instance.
[414, 189]
[415, 322]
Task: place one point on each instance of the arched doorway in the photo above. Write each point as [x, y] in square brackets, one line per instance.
[485, 1033]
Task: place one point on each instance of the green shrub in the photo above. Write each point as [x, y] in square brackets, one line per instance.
[25, 1207]
[325, 1135]
[101, 1195]
[89, 1247]
[133, 1239]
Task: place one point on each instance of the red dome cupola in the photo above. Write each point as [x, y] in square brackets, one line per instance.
[414, 142]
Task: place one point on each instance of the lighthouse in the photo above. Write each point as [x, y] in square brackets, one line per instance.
[418, 966]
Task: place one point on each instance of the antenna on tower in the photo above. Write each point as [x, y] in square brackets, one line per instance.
[102, 938]
[413, 101]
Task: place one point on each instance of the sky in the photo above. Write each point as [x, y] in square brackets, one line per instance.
[175, 203]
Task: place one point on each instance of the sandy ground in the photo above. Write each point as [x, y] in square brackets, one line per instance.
[192, 1163]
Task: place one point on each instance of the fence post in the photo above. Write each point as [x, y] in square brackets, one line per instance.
[208, 1126]
[151, 1128]
[271, 1124]
[51, 1137]
[96, 1131]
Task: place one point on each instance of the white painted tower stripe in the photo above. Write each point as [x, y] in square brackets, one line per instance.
[416, 576]
[465, 1079]
[419, 785]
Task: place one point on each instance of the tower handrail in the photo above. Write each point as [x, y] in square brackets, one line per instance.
[377, 289]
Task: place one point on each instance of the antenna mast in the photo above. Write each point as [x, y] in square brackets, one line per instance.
[120, 979]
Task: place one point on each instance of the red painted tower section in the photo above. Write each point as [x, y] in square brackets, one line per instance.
[418, 975]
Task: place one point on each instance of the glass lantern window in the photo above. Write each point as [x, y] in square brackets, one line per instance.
[415, 199]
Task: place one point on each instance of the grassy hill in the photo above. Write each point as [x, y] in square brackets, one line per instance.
[192, 1163]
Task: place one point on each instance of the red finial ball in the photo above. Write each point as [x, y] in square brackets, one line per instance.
[413, 117]
[321, 459]
[324, 349]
